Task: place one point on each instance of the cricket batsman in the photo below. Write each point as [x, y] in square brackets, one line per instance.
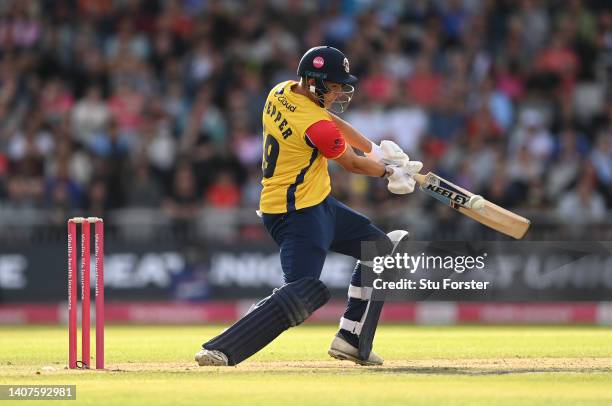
[300, 134]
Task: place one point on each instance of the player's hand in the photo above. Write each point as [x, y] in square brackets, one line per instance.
[395, 156]
[388, 152]
[392, 154]
[412, 167]
[400, 182]
[375, 153]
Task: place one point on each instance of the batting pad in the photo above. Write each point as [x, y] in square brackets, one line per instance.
[287, 307]
[369, 321]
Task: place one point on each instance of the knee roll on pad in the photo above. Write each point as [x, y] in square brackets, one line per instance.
[287, 307]
[300, 299]
[388, 244]
[397, 236]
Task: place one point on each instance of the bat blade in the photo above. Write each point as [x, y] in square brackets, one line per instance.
[491, 215]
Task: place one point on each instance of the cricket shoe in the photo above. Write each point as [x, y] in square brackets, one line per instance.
[342, 350]
[211, 358]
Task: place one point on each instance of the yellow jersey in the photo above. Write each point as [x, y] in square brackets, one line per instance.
[295, 173]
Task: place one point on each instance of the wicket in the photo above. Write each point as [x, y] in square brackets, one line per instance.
[85, 291]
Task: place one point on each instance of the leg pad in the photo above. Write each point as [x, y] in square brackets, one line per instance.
[287, 307]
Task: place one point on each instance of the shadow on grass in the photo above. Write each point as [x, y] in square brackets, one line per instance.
[480, 372]
[523, 366]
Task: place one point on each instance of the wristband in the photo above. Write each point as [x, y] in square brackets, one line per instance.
[388, 172]
[375, 153]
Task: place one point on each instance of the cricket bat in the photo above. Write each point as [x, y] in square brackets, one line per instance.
[491, 215]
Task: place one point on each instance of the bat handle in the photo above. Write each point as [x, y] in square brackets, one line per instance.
[419, 178]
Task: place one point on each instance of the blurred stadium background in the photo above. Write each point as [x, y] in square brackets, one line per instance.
[148, 113]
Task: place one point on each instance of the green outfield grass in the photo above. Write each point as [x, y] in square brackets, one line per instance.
[423, 365]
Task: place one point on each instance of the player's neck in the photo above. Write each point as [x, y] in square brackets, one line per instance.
[299, 88]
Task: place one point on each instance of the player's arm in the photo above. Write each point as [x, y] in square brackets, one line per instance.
[353, 137]
[400, 181]
[354, 163]
[327, 138]
[372, 151]
[330, 141]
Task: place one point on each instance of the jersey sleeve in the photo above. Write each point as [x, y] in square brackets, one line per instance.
[327, 138]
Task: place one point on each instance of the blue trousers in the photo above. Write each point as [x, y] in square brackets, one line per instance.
[306, 235]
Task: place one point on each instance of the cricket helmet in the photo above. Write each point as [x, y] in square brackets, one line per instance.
[328, 64]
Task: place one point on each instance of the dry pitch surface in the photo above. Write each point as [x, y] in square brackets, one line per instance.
[424, 365]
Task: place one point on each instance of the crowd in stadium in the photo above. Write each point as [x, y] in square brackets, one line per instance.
[157, 103]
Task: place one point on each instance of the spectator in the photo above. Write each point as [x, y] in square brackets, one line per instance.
[601, 157]
[560, 60]
[62, 194]
[566, 165]
[424, 85]
[97, 198]
[55, 101]
[407, 124]
[535, 25]
[532, 135]
[142, 190]
[377, 85]
[447, 119]
[583, 205]
[90, 115]
[126, 106]
[184, 202]
[223, 193]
